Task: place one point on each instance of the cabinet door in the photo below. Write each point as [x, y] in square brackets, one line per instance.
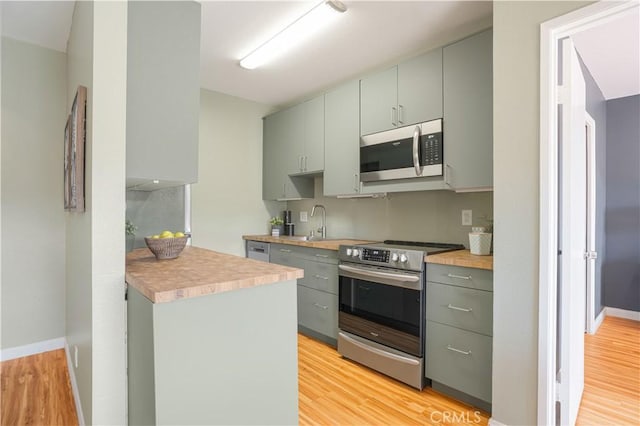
[313, 160]
[379, 102]
[420, 88]
[342, 140]
[318, 311]
[294, 139]
[163, 92]
[468, 112]
[273, 174]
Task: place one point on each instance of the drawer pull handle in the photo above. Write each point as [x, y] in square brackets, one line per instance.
[322, 255]
[460, 277]
[451, 348]
[320, 277]
[373, 334]
[285, 251]
[456, 308]
[317, 305]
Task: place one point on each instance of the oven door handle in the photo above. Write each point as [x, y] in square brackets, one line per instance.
[379, 351]
[378, 274]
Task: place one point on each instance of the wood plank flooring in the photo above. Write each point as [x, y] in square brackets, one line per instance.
[36, 390]
[612, 375]
[336, 391]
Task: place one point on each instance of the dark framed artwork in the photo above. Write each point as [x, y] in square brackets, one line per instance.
[74, 156]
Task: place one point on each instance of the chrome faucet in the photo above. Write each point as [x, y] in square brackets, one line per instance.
[323, 228]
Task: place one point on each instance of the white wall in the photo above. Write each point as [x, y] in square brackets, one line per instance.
[227, 200]
[78, 225]
[96, 58]
[108, 212]
[33, 115]
[516, 83]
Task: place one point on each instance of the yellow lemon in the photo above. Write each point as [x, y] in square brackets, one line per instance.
[155, 237]
[166, 234]
[179, 234]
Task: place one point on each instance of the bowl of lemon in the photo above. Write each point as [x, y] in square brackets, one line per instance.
[167, 244]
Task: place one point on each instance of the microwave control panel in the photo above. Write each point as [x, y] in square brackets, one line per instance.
[431, 149]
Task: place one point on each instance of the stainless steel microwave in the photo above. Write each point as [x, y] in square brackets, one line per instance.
[406, 152]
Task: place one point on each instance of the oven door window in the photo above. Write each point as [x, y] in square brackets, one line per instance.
[396, 307]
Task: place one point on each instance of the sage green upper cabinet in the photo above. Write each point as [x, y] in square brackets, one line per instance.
[468, 113]
[280, 132]
[306, 137]
[379, 101]
[342, 140]
[163, 93]
[408, 93]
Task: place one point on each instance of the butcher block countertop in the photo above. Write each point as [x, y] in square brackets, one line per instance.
[328, 244]
[461, 258]
[198, 272]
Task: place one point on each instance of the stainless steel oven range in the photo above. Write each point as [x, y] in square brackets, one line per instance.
[381, 317]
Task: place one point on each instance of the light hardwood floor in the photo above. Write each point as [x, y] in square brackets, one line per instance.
[36, 391]
[612, 375]
[334, 391]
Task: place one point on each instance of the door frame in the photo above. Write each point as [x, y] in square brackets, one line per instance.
[550, 33]
[590, 124]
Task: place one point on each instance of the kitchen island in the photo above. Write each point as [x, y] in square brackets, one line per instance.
[212, 339]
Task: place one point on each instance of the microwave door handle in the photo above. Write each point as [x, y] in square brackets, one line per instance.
[416, 156]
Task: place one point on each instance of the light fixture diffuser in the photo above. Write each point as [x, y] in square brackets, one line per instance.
[302, 28]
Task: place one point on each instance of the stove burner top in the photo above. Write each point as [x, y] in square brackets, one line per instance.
[424, 244]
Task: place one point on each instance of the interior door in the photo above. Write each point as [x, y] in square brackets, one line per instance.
[573, 205]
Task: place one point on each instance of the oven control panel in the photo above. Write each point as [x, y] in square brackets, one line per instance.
[391, 258]
[376, 255]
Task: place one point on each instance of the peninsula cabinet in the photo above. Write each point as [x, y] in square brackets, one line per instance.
[468, 113]
[163, 93]
[342, 140]
[408, 93]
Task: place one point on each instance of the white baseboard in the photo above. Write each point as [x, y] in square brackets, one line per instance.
[622, 313]
[598, 322]
[32, 349]
[493, 422]
[74, 384]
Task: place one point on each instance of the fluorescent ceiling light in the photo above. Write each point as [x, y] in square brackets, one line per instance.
[302, 28]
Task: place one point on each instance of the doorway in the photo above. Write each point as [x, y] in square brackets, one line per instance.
[562, 274]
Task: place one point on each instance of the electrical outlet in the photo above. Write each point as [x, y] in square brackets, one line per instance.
[75, 356]
[304, 217]
[467, 217]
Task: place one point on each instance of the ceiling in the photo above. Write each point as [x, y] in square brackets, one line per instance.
[611, 52]
[370, 35]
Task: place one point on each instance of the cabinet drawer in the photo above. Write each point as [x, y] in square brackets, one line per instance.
[283, 256]
[318, 311]
[460, 307]
[481, 279]
[318, 255]
[459, 359]
[320, 276]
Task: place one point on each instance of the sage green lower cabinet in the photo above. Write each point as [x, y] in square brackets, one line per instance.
[227, 358]
[317, 291]
[459, 329]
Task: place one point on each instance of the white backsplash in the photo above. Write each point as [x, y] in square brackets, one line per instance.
[434, 216]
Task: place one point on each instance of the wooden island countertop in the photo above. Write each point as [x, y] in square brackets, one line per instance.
[198, 272]
[461, 258]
